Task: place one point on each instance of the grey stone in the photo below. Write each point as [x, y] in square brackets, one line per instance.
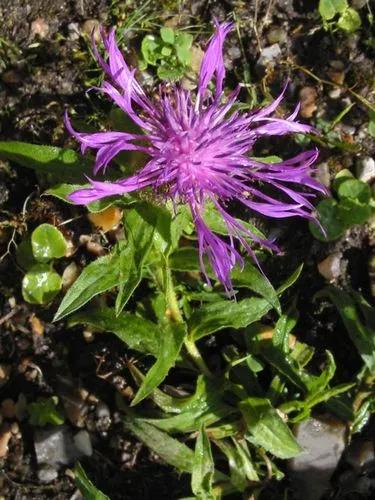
[323, 443]
[365, 169]
[83, 443]
[47, 473]
[269, 55]
[55, 446]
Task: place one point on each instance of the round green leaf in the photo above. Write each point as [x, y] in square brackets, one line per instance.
[41, 284]
[330, 218]
[167, 34]
[150, 49]
[355, 190]
[352, 212]
[24, 255]
[47, 243]
[349, 20]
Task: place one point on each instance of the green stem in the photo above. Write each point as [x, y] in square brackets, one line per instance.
[196, 357]
[175, 314]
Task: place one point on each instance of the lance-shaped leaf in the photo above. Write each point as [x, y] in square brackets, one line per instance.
[85, 486]
[203, 469]
[267, 429]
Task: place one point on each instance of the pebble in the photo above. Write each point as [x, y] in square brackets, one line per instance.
[106, 220]
[83, 443]
[95, 248]
[39, 27]
[90, 26]
[73, 32]
[323, 442]
[365, 169]
[37, 326]
[269, 55]
[335, 93]
[323, 174]
[5, 436]
[75, 405]
[330, 267]
[55, 446]
[276, 35]
[4, 373]
[307, 97]
[69, 275]
[102, 410]
[47, 473]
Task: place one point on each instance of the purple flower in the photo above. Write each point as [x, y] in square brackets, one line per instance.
[198, 147]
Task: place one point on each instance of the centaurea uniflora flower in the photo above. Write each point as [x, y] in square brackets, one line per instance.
[198, 146]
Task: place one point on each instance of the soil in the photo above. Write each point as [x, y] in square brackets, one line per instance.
[45, 66]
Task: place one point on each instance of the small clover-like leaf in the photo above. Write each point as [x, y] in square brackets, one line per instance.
[40, 284]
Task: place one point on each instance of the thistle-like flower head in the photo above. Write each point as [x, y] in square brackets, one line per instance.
[198, 147]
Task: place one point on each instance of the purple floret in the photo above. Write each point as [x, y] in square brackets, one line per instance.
[198, 147]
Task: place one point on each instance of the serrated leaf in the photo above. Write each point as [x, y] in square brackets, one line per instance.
[169, 449]
[85, 486]
[187, 259]
[211, 318]
[98, 277]
[266, 428]
[205, 406]
[64, 164]
[203, 469]
[170, 343]
[47, 243]
[138, 333]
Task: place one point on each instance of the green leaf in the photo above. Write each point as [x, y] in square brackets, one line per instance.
[354, 190]
[205, 406]
[267, 429]
[349, 21]
[150, 49]
[63, 190]
[371, 124]
[352, 212]
[47, 243]
[169, 449]
[363, 336]
[203, 469]
[170, 343]
[85, 486]
[44, 412]
[329, 8]
[184, 40]
[167, 34]
[40, 284]
[184, 55]
[99, 276]
[138, 333]
[331, 219]
[169, 72]
[139, 224]
[65, 164]
[290, 281]
[240, 463]
[24, 254]
[211, 318]
[187, 259]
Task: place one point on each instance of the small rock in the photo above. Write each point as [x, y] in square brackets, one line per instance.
[39, 27]
[276, 35]
[4, 373]
[102, 410]
[335, 93]
[336, 76]
[88, 335]
[91, 27]
[55, 446]
[5, 436]
[73, 32]
[75, 405]
[337, 64]
[307, 96]
[330, 267]
[37, 326]
[323, 443]
[47, 473]
[269, 55]
[70, 274]
[83, 443]
[106, 220]
[365, 169]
